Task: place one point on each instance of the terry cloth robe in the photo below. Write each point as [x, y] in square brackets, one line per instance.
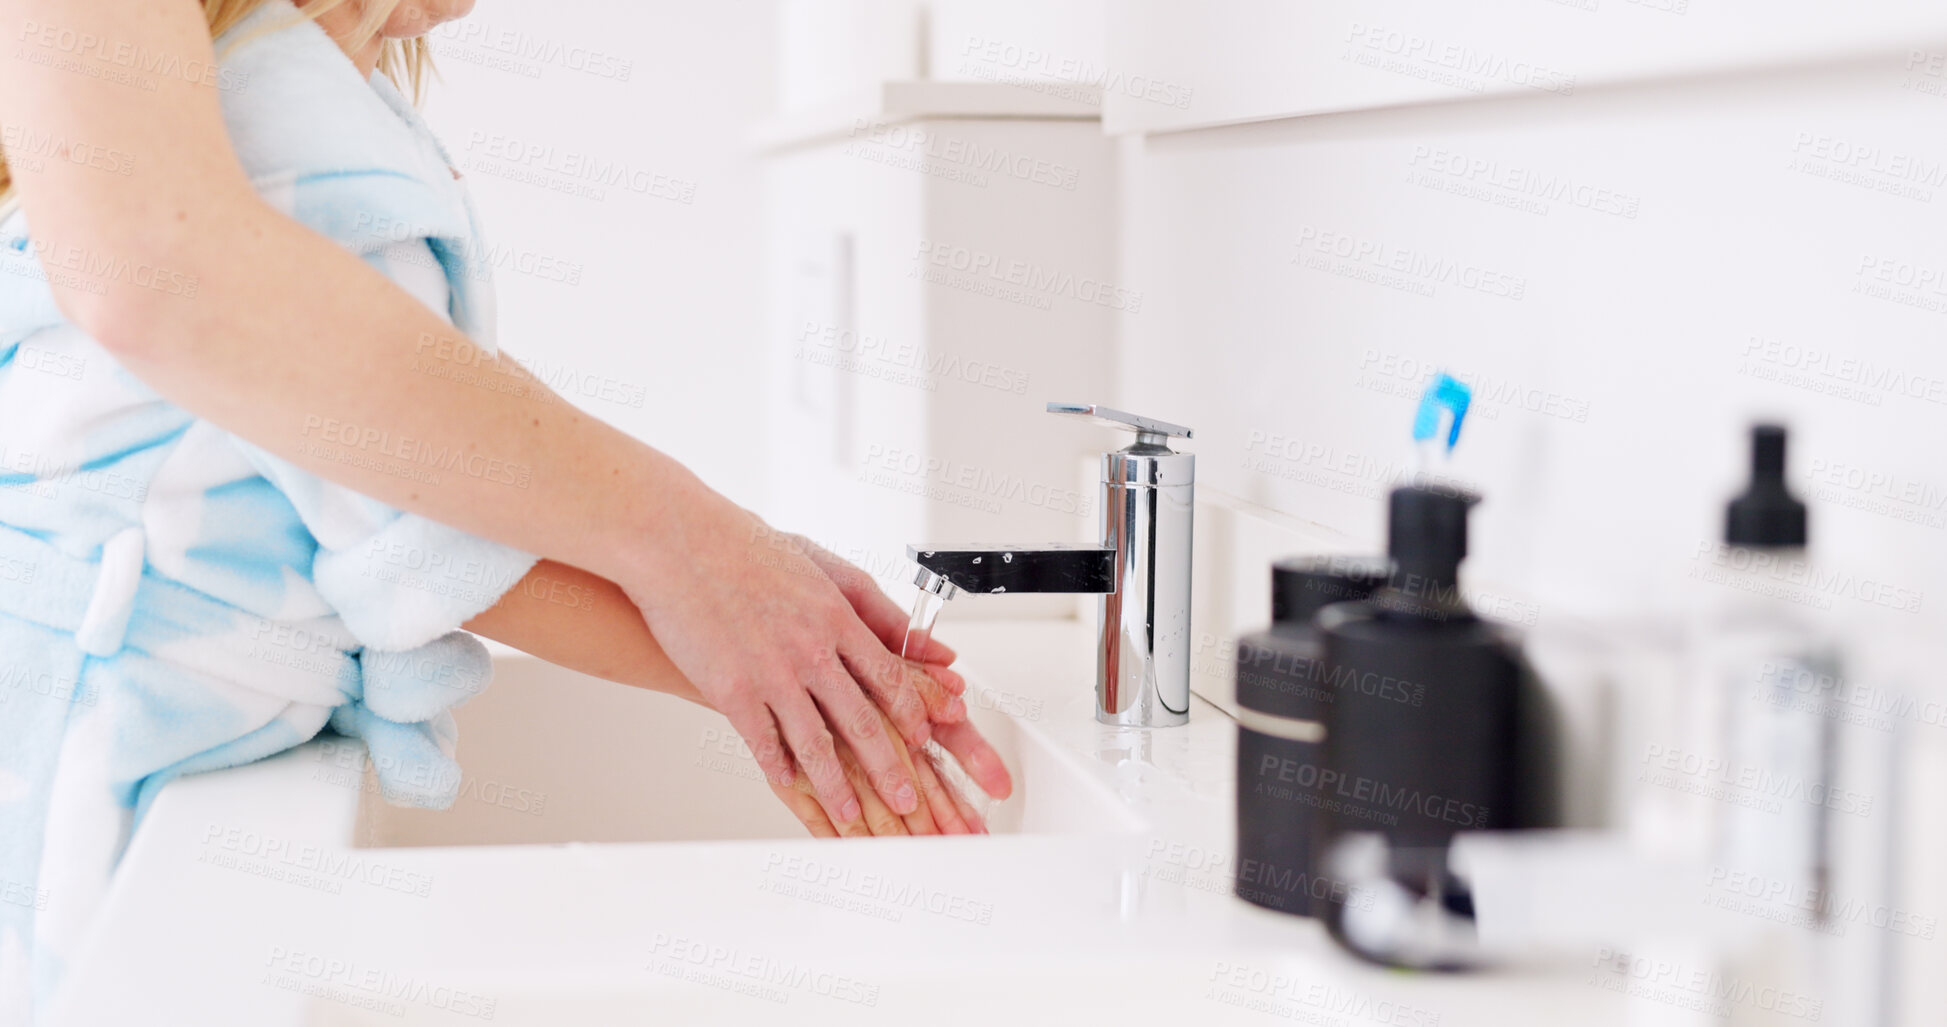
[174, 599]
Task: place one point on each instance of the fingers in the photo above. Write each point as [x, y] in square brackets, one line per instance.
[891, 683]
[943, 705]
[940, 812]
[936, 651]
[803, 728]
[883, 616]
[967, 813]
[863, 730]
[759, 730]
[950, 678]
[978, 758]
[879, 612]
[878, 819]
[939, 803]
[921, 820]
[804, 806]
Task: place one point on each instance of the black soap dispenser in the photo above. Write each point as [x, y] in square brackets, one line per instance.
[1438, 728]
[1283, 696]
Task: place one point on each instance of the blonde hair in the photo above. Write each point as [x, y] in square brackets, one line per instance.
[407, 62]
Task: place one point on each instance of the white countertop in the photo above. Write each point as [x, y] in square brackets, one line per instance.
[1139, 928]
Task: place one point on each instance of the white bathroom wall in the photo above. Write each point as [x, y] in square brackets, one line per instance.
[1628, 275]
[1027, 42]
[605, 144]
[827, 49]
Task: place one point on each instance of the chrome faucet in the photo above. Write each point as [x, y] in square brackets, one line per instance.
[1141, 571]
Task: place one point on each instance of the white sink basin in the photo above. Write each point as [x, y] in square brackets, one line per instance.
[239, 902]
[552, 756]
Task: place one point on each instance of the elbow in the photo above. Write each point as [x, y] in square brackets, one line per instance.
[135, 305]
[123, 324]
[94, 312]
[137, 284]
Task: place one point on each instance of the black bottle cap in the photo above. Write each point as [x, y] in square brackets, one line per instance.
[1426, 535]
[1766, 514]
[1279, 671]
[1302, 586]
[1426, 530]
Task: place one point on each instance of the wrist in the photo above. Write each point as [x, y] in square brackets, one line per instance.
[667, 517]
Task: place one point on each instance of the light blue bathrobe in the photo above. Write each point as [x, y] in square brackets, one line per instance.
[173, 599]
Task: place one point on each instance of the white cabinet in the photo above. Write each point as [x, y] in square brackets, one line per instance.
[942, 265]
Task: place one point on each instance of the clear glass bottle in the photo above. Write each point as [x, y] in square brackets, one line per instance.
[1767, 663]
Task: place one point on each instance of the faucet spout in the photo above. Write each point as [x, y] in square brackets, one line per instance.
[1140, 573]
[997, 569]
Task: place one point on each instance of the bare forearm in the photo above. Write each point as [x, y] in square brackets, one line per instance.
[583, 622]
[308, 352]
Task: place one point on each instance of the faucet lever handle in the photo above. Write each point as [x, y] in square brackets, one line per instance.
[1148, 429]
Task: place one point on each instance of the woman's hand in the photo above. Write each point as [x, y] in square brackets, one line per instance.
[956, 735]
[775, 643]
[609, 638]
[941, 811]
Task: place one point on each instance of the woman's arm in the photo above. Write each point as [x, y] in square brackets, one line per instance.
[578, 620]
[279, 336]
[285, 338]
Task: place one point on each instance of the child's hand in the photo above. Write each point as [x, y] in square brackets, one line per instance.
[939, 811]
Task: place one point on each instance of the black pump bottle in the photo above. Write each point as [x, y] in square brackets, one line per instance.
[1465, 750]
[1283, 696]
